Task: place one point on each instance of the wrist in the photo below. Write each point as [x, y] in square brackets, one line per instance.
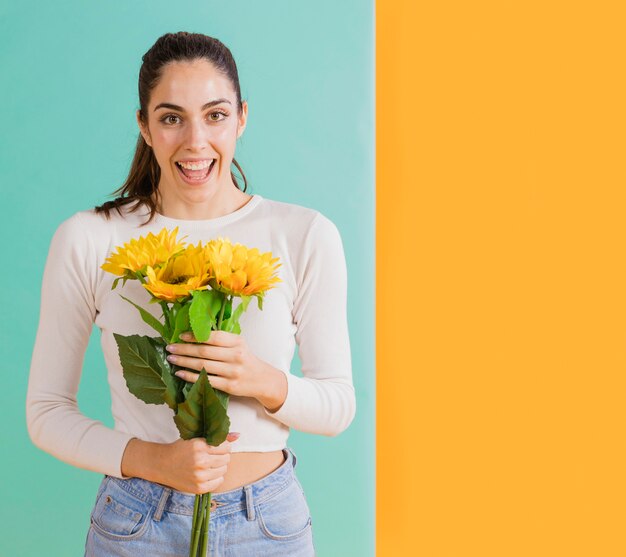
[273, 389]
[141, 459]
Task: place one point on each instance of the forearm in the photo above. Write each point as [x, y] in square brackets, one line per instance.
[321, 406]
[57, 426]
[272, 390]
[141, 460]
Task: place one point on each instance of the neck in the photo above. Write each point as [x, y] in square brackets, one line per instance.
[219, 203]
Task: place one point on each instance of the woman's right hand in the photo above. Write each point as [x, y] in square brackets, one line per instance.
[194, 466]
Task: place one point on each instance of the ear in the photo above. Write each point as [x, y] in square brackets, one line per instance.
[243, 119]
[143, 129]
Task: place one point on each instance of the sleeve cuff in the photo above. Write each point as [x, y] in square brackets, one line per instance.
[121, 443]
[286, 410]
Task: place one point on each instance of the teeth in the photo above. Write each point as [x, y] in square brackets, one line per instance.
[195, 165]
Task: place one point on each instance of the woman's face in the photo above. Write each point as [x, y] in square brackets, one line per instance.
[192, 116]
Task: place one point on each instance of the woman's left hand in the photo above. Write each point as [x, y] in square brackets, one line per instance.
[231, 367]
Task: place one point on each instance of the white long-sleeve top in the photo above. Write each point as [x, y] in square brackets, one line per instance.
[309, 307]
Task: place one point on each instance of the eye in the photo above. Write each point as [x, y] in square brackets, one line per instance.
[166, 117]
[218, 112]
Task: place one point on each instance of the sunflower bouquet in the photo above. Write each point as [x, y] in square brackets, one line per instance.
[195, 286]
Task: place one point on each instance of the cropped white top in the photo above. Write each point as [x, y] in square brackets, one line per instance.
[309, 307]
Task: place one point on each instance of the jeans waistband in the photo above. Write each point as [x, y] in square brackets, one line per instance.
[242, 498]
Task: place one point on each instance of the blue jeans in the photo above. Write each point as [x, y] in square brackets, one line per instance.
[136, 517]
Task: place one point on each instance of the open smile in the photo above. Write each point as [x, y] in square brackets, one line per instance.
[195, 172]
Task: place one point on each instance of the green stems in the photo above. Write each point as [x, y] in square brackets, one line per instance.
[202, 503]
[200, 525]
[204, 536]
[196, 525]
[167, 320]
[221, 315]
[196, 506]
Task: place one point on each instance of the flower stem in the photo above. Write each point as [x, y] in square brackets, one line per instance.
[197, 525]
[204, 538]
[167, 318]
[221, 315]
[196, 506]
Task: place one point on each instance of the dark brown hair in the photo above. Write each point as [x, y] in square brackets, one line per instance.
[143, 177]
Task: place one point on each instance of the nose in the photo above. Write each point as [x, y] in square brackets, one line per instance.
[197, 136]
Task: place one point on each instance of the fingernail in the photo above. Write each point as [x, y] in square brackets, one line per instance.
[180, 374]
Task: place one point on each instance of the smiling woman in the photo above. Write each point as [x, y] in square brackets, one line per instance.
[191, 114]
[190, 117]
[193, 140]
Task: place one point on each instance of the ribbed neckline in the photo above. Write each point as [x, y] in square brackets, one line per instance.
[200, 224]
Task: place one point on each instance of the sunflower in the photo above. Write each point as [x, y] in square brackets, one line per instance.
[134, 256]
[238, 270]
[175, 280]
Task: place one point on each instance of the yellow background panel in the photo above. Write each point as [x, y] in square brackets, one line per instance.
[501, 278]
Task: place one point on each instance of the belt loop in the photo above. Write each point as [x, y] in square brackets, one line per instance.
[249, 502]
[295, 459]
[161, 505]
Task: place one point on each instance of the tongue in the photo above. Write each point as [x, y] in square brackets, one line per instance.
[202, 173]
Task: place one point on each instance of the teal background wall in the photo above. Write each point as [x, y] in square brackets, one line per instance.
[69, 92]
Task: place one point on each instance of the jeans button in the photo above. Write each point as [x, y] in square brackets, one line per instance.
[213, 505]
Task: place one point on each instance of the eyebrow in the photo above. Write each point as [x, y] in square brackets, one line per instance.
[181, 109]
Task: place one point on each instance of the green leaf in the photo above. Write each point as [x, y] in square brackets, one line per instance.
[223, 396]
[243, 306]
[172, 394]
[182, 323]
[148, 317]
[203, 312]
[167, 329]
[144, 365]
[161, 341]
[123, 278]
[228, 308]
[171, 317]
[202, 414]
[187, 388]
[232, 325]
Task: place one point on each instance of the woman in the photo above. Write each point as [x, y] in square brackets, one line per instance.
[190, 117]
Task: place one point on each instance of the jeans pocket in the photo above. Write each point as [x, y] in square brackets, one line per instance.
[117, 515]
[285, 515]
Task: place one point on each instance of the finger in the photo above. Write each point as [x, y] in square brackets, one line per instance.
[210, 366]
[223, 448]
[188, 336]
[200, 350]
[211, 485]
[188, 376]
[217, 460]
[213, 473]
[219, 383]
[218, 338]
